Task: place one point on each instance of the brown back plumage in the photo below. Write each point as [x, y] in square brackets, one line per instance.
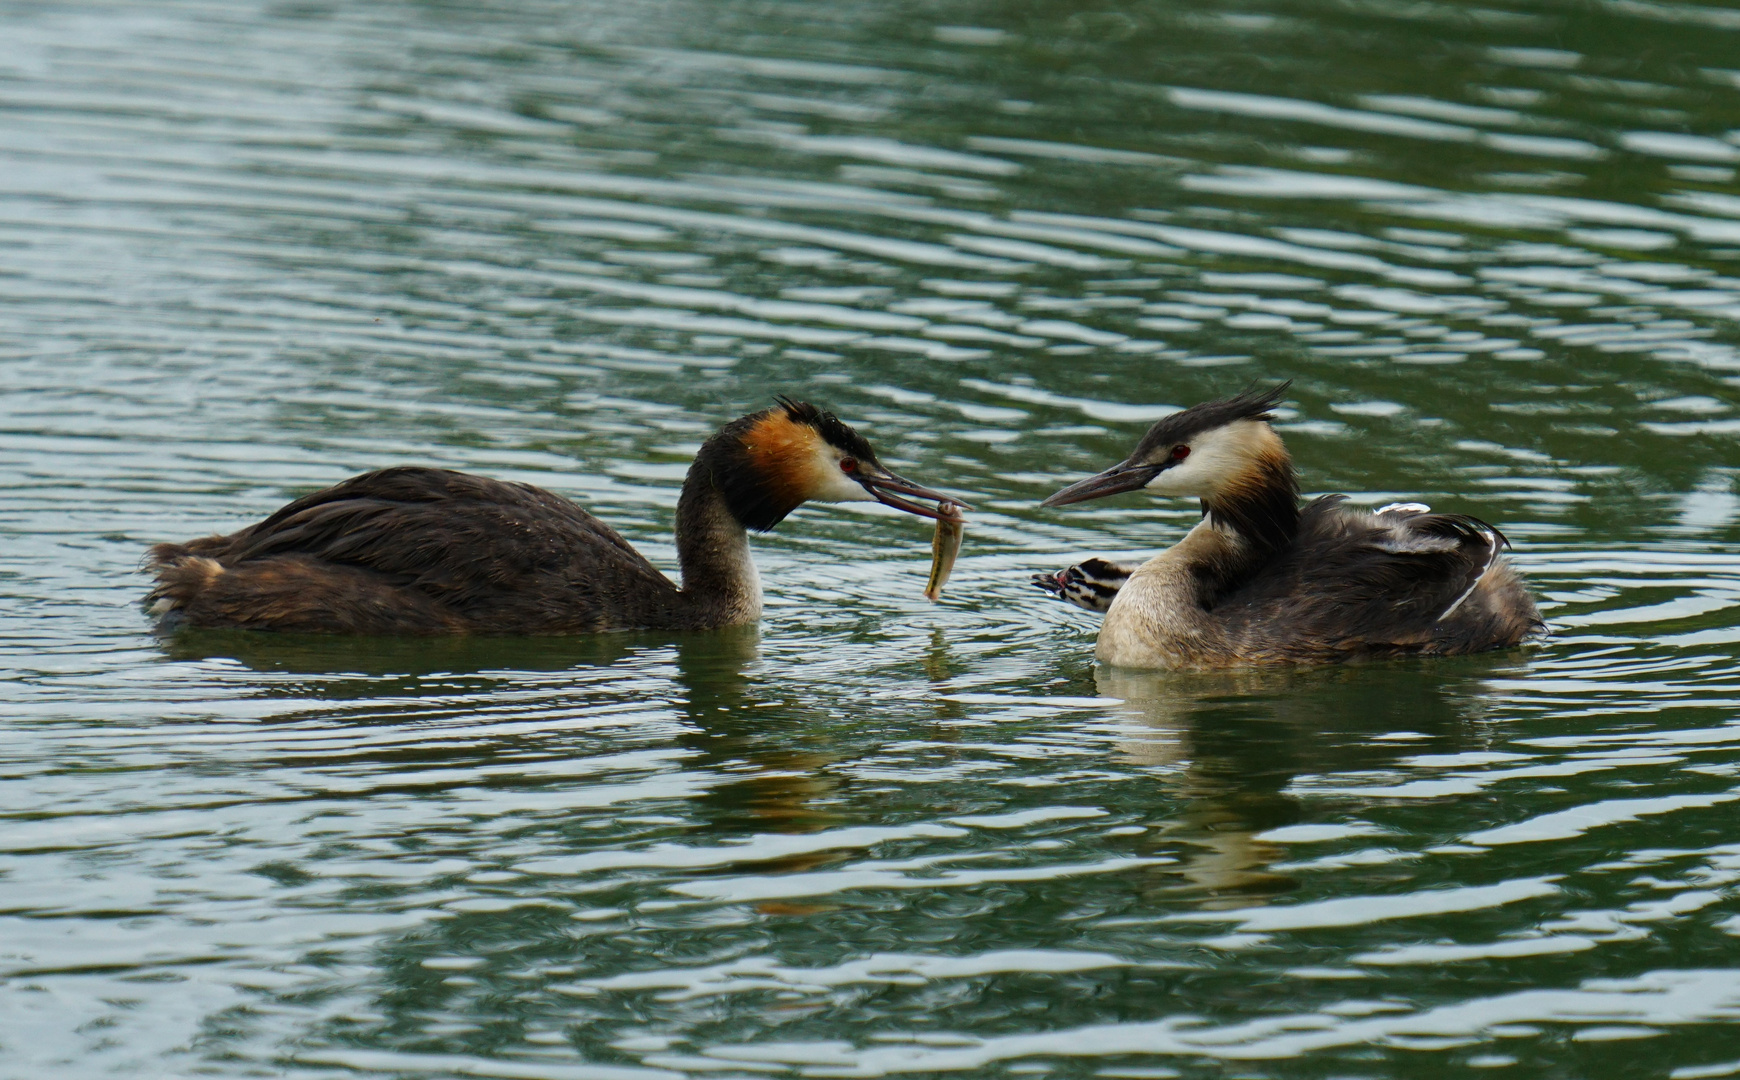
[1356, 584]
[415, 551]
[428, 551]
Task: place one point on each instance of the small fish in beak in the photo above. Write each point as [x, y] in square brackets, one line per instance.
[945, 545]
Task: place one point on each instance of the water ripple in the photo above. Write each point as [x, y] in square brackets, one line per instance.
[252, 249]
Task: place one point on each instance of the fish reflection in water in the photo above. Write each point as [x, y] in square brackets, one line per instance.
[1238, 740]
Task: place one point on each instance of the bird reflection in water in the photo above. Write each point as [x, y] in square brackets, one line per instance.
[772, 776]
[778, 772]
[1233, 743]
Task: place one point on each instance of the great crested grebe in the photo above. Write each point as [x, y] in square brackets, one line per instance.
[428, 551]
[1263, 580]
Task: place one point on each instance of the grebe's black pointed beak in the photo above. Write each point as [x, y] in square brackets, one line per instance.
[1124, 476]
[886, 488]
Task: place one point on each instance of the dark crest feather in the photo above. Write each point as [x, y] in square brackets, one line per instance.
[829, 426]
[1253, 403]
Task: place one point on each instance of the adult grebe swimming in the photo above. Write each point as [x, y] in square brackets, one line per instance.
[1263, 580]
[428, 551]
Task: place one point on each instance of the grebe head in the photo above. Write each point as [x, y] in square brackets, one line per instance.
[771, 462]
[1207, 452]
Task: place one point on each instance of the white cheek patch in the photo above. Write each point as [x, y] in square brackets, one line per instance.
[845, 489]
[1173, 481]
[1215, 456]
[830, 483]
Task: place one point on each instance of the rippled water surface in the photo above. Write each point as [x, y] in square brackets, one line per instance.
[247, 249]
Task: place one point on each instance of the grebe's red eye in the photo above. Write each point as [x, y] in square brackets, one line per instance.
[1179, 453]
[848, 464]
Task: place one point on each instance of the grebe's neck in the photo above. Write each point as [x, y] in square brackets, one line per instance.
[1260, 502]
[720, 583]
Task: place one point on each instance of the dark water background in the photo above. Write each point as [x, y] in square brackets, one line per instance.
[247, 249]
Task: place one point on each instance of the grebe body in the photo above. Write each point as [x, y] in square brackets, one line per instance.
[428, 551]
[1263, 580]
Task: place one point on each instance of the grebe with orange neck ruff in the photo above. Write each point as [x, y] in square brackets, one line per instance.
[429, 551]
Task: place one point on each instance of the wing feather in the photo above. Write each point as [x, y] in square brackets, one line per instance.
[457, 537]
[1356, 581]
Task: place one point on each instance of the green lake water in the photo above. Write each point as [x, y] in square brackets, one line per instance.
[248, 249]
